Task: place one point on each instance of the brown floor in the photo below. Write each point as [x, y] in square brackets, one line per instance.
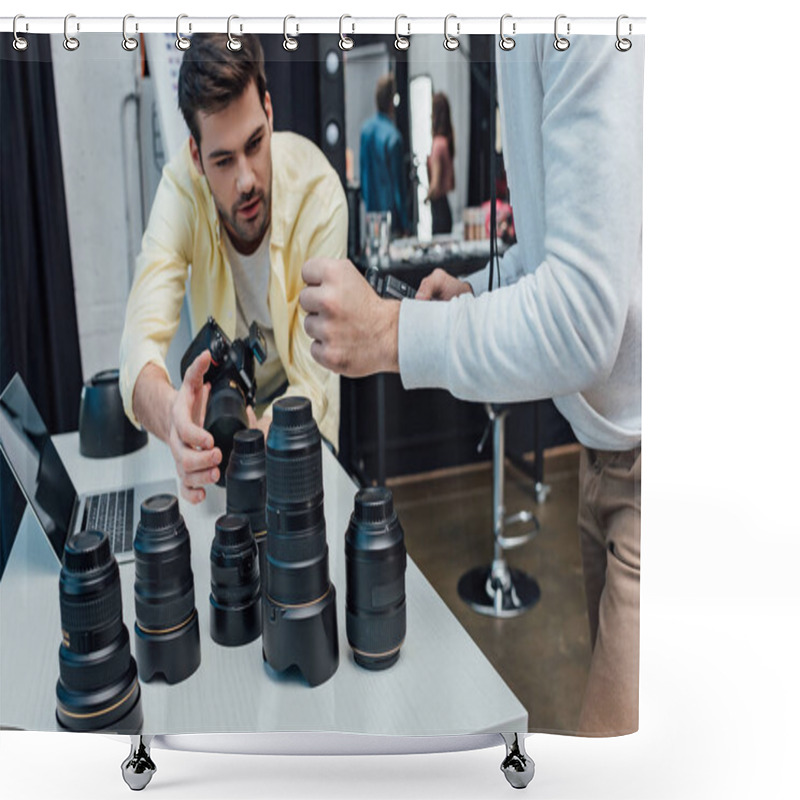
[543, 655]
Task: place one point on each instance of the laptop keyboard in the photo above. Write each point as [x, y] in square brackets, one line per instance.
[112, 512]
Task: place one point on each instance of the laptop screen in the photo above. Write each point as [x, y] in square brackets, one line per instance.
[29, 450]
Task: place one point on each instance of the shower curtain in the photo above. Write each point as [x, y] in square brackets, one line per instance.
[189, 195]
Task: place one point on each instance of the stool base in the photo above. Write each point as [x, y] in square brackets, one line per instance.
[498, 590]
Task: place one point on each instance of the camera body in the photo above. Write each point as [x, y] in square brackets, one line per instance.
[389, 286]
[232, 378]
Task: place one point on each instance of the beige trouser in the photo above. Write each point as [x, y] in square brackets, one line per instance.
[609, 519]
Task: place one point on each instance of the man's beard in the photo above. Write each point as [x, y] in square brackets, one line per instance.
[247, 232]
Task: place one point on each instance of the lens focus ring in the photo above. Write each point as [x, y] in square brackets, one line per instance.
[293, 480]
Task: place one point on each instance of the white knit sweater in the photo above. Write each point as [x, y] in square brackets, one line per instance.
[566, 323]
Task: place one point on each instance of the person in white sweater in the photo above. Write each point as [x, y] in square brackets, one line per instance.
[564, 323]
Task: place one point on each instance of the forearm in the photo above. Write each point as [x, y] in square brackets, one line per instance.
[153, 396]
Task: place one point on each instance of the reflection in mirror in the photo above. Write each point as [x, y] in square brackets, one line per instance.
[364, 67]
[402, 160]
[433, 71]
[420, 98]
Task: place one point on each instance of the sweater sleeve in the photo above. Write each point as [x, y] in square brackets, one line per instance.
[557, 330]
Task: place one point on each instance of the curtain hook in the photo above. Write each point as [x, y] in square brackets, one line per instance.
[345, 42]
[506, 42]
[129, 43]
[70, 42]
[234, 44]
[289, 43]
[181, 42]
[451, 42]
[20, 42]
[400, 42]
[623, 45]
[561, 43]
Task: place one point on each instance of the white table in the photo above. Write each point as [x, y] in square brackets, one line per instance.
[442, 683]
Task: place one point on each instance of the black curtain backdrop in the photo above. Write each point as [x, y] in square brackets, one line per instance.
[38, 320]
[293, 84]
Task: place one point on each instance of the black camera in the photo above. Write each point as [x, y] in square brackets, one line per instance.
[388, 286]
[232, 379]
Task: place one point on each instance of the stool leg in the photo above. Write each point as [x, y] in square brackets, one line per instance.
[498, 483]
[498, 590]
[138, 768]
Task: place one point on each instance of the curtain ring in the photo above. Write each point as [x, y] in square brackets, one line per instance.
[345, 42]
[234, 44]
[560, 42]
[506, 42]
[451, 42]
[623, 45]
[70, 42]
[129, 43]
[20, 42]
[289, 43]
[181, 42]
[400, 42]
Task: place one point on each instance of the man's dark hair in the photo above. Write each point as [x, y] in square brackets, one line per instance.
[211, 76]
[384, 93]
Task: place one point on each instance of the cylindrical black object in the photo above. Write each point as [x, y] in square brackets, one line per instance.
[103, 429]
[299, 615]
[375, 557]
[225, 416]
[235, 585]
[97, 688]
[167, 632]
[246, 488]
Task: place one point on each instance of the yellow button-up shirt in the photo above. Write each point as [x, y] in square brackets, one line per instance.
[183, 239]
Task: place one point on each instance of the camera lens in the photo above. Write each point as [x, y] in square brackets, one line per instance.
[225, 416]
[300, 604]
[97, 688]
[167, 633]
[235, 585]
[375, 556]
[246, 487]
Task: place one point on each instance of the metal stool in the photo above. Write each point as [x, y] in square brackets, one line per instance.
[498, 590]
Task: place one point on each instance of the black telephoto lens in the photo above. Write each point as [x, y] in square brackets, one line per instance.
[98, 688]
[235, 585]
[375, 556]
[167, 632]
[225, 416]
[246, 488]
[299, 615]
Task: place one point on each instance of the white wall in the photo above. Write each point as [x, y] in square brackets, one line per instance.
[91, 84]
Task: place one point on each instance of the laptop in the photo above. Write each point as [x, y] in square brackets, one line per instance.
[43, 478]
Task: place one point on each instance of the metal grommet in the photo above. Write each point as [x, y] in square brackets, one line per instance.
[70, 42]
[289, 43]
[128, 42]
[623, 45]
[345, 42]
[20, 43]
[234, 44]
[561, 43]
[181, 42]
[400, 42]
[451, 42]
[506, 42]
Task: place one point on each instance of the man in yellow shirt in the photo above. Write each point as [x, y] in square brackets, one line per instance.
[238, 211]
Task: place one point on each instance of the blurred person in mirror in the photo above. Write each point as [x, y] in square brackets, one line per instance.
[565, 323]
[238, 210]
[441, 174]
[382, 158]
